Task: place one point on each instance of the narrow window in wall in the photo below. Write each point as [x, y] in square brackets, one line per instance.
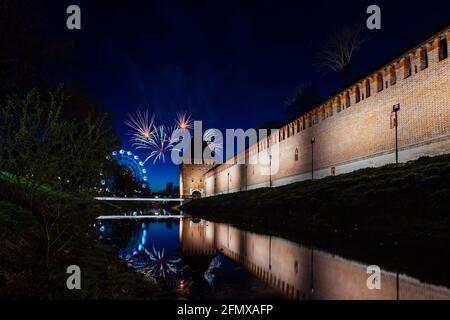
[407, 67]
[338, 103]
[357, 94]
[298, 126]
[333, 171]
[347, 99]
[296, 154]
[330, 112]
[392, 75]
[443, 51]
[379, 82]
[367, 88]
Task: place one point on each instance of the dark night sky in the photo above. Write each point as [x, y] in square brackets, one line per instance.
[228, 63]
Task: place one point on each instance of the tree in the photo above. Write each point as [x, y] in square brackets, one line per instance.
[47, 155]
[338, 51]
[126, 182]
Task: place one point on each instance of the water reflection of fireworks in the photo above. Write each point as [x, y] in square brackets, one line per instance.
[159, 265]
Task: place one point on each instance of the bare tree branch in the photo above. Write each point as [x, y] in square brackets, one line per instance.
[338, 51]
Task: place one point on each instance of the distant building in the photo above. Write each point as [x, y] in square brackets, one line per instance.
[169, 188]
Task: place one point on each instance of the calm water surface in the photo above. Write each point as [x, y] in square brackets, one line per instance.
[159, 248]
[199, 259]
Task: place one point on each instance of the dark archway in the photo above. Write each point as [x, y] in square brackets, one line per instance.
[196, 194]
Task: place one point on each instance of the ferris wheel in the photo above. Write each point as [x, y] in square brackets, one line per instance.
[133, 163]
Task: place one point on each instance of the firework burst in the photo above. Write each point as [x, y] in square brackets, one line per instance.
[141, 127]
[183, 121]
[159, 144]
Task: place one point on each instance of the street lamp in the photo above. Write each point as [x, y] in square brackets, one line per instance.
[270, 170]
[396, 109]
[313, 140]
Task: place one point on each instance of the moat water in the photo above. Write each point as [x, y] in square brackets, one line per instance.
[199, 259]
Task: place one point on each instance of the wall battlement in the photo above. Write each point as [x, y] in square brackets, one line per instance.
[355, 128]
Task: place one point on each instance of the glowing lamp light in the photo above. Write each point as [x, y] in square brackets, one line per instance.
[114, 153]
[102, 228]
[144, 171]
[129, 153]
[136, 158]
[122, 151]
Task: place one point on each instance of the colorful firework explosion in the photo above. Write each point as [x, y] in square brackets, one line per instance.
[158, 139]
[142, 126]
[159, 145]
[183, 121]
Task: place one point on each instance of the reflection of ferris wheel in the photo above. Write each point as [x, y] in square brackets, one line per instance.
[133, 163]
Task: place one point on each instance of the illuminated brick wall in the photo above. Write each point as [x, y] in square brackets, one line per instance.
[355, 128]
[192, 178]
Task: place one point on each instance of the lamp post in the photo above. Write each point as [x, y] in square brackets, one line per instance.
[270, 170]
[313, 140]
[396, 109]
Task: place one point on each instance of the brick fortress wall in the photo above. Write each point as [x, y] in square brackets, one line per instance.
[354, 129]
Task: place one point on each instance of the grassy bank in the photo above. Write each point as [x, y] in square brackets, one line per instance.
[33, 266]
[397, 217]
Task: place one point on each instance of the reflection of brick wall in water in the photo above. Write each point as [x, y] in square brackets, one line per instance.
[196, 239]
[299, 272]
[355, 128]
